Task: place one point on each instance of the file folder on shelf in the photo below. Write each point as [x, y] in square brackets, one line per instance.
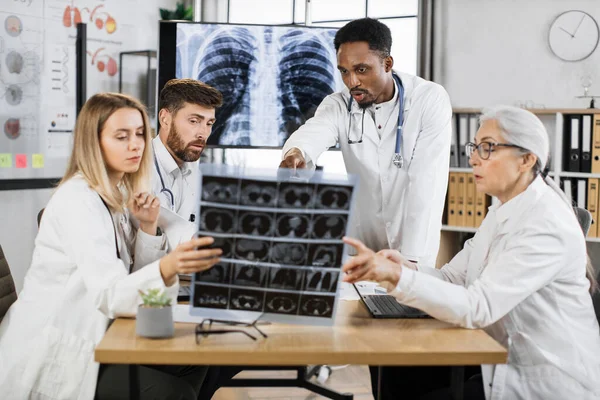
[470, 201]
[596, 145]
[460, 199]
[452, 199]
[572, 146]
[586, 143]
[592, 205]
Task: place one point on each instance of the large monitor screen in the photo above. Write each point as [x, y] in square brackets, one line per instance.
[272, 77]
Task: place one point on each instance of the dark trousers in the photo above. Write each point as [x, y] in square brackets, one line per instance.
[424, 383]
[216, 377]
[168, 382]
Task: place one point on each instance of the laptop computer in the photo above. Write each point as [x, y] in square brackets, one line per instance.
[386, 306]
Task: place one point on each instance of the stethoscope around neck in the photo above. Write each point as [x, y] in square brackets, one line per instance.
[162, 184]
[397, 160]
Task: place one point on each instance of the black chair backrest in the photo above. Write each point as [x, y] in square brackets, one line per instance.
[8, 292]
[585, 219]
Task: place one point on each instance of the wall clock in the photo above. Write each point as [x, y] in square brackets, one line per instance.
[573, 35]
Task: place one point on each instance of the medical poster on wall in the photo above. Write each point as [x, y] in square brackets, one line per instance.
[281, 235]
[38, 77]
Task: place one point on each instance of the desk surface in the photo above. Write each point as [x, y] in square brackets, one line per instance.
[356, 338]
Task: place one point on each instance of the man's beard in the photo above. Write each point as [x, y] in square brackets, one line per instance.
[180, 149]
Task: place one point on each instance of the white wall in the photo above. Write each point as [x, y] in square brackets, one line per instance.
[496, 51]
[18, 209]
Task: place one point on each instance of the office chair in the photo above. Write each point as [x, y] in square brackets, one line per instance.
[39, 217]
[585, 219]
[8, 292]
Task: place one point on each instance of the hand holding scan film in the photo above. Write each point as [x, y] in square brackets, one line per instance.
[188, 258]
[281, 234]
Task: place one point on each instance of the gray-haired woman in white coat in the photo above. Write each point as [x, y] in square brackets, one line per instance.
[98, 244]
[522, 277]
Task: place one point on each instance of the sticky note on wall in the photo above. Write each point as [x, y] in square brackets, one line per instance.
[37, 160]
[5, 160]
[21, 160]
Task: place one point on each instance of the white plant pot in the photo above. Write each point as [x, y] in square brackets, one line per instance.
[154, 322]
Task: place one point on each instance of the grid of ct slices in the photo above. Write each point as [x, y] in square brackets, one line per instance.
[281, 241]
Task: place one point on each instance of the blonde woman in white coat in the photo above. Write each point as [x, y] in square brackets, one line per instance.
[522, 277]
[97, 245]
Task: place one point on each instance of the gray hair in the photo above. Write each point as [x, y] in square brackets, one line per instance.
[522, 128]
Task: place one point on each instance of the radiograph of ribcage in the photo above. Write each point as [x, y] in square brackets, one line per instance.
[252, 250]
[250, 275]
[321, 281]
[293, 225]
[218, 220]
[218, 273]
[293, 195]
[258, 194]
[286, 278]
[220, 190]
[272, 78]
[211, 296]
[227, 64]
[332, 226]
[282, 303]
[255, 223]
[306, 76]
[249, 300]
[289, 253]
[333, 197]
[316, 306]
[325, 255]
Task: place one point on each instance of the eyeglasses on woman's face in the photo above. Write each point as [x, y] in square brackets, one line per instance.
[485, 149]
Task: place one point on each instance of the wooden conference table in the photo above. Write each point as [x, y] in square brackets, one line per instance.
[355, 338]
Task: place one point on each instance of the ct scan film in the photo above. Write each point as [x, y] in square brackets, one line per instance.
[281, 235]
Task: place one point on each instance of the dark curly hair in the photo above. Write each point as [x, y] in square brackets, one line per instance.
[368, 30]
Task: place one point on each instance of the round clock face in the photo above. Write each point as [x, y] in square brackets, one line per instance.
[573, 35]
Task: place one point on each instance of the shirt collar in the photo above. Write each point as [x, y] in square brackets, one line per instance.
[519, 204]
[166, 160]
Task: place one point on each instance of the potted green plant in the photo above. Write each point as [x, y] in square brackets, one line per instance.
[181, 12]
[155, 315]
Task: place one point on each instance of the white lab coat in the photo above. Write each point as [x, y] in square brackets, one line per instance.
[183, 182]
[396, 208]
[522, 279]
[74, 287]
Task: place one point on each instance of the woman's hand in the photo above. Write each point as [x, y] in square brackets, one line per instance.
[187, 258]
[398, 258]
[368, 266]
[145, 208]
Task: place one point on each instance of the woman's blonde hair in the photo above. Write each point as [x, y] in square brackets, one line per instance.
[87, 158]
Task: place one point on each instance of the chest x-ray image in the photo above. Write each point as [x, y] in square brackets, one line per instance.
[272, 77]
[250, 275]
[282, 303]
[255, 223]
[219, 273]
[259, 194]
[281, 240]
[293, 225]
[219, 220]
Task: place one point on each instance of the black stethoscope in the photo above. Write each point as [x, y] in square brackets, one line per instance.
[162, 183]
[397, 159]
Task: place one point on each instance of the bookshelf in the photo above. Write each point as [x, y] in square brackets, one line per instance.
[558, 125]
